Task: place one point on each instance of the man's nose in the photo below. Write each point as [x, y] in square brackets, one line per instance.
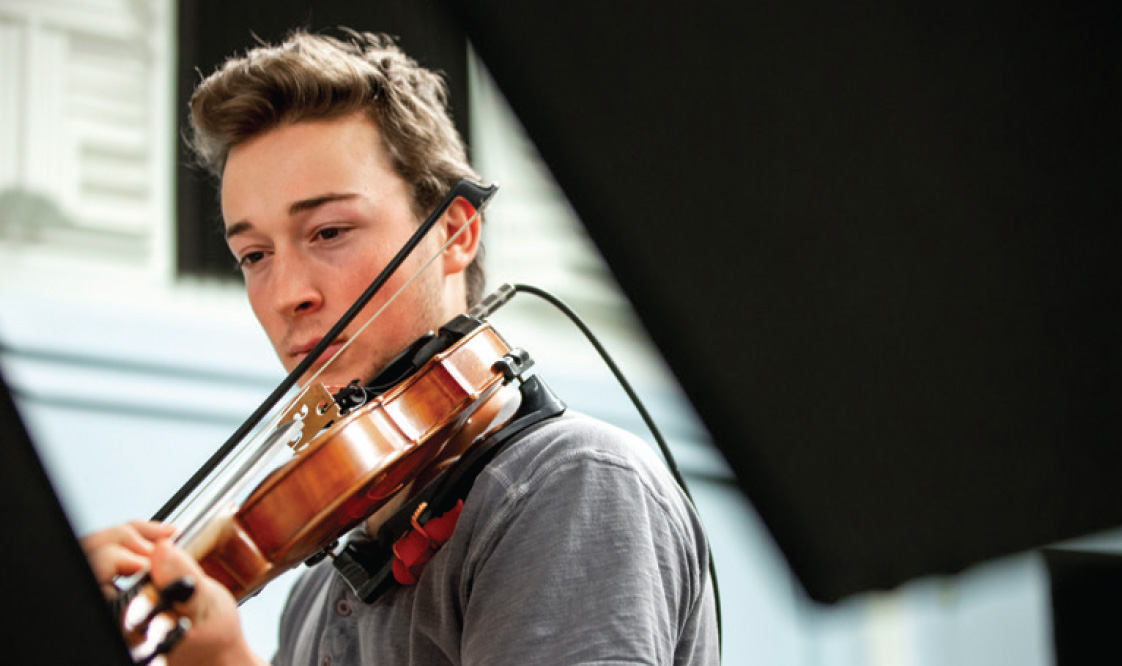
[295, 286]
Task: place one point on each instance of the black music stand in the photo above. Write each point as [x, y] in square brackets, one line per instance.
[1085, 586]
[56, 613]
[878, 244]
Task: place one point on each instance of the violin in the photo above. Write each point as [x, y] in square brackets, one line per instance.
[356, 463]
[351, 464]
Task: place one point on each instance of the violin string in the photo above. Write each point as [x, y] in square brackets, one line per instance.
[207, 511]
[247, 472]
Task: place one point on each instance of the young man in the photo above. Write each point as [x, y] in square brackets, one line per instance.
[574, 545]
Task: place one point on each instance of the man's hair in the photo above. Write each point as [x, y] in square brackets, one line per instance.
[320, 77]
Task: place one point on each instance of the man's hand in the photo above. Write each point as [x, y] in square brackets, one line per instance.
[122, 550]
[215, 636]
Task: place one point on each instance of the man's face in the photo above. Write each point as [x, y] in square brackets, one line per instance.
[313, 212]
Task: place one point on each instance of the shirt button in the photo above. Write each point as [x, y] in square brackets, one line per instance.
[342, 608]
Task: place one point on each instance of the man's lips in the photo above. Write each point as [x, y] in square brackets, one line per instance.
[299, 352]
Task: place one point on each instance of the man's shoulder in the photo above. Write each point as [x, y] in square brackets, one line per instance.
[576, 459]
[572, 439]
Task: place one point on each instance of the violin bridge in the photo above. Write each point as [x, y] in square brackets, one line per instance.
[316, 409]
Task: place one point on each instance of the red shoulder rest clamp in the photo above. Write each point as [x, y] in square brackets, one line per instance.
[413, 551]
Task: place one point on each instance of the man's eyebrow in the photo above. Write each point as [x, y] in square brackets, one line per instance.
[308, 204]
[237, 228]
[297, 207]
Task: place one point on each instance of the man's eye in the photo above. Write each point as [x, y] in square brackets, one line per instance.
[329, 233]
[250, 258]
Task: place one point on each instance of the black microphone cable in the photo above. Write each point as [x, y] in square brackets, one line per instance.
[506, 292]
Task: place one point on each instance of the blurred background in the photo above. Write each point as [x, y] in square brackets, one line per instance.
[132, 353]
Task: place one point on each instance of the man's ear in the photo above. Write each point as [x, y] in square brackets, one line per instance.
[458, 255]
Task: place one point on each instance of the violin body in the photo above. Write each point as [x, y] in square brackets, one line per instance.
[354, 467]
